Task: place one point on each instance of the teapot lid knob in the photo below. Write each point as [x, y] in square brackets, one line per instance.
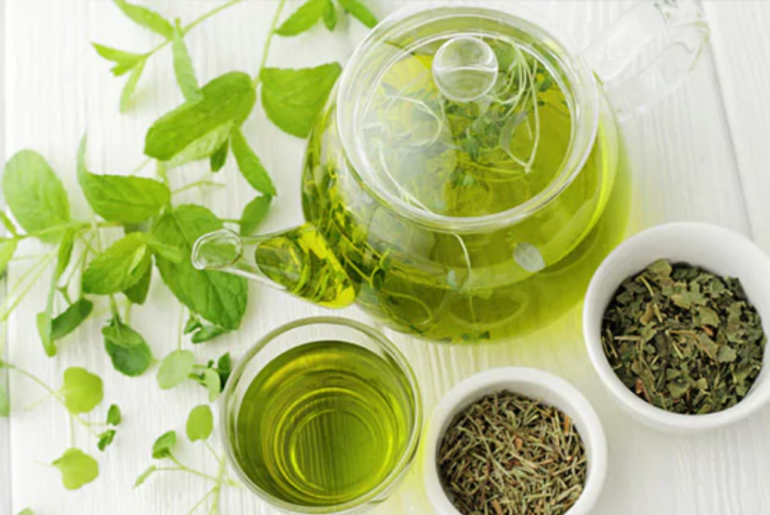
[465, 68]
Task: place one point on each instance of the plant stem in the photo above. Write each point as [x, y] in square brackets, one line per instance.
[185, 468]
[269, 42]
[202, 182]
[141, 167]
[39, 270]
[200, 503]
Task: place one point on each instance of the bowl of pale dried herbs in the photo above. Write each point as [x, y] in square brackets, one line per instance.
[675, 323]
[514, 441]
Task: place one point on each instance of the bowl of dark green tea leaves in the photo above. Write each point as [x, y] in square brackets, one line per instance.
[514, 441]
[675, 324]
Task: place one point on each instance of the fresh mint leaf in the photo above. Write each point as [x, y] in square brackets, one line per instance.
[254, 214]
[183, 67]
[138, 292]
[217, 297]
[303, 18]
[144, 476]
[77, 469]
[219, 157]
[129, 352]
[213, 384]
[147, 18]
[43, 324]
[71, 319]
[64, 256]
[8, 224]
[200, 423]
[360, 12]
[207, 333]
[224, 369]
[175, 369]
[116, 198]
[114, 416]
[36, 196]
[82, 390]
[168, 252]
[26, 511]
[5, 402]
[124, 61]
[119, 268]
[293, 99]
[195, 130]
[250, 165]
[127, 95]
[330, 15]
[106, 439]
[7, 250]
[164, 445]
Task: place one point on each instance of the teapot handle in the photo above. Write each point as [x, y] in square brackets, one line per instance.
[648, 52]
[297, 261]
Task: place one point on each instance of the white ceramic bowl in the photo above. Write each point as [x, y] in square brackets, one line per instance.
[535, 384]
[716, 249]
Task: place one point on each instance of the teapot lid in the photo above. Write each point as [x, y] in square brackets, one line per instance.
[461, 112]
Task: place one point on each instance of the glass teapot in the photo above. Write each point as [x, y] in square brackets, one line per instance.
[469, 173]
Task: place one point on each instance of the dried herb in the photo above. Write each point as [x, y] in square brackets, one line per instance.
[684, 339]
[507, 454]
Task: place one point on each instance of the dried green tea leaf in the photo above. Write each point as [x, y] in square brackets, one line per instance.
[175, 369]
[77, 469]
[164, 445]
[293, 99]
[250, 165]
[200, 423]
[147, 18]
[360, 12]
[71, 319]
[82, 390]
[254, 214]
[219, 298]
[183, 66]
[36, 196]
[303, 18]
[117, 198]
[127, 349]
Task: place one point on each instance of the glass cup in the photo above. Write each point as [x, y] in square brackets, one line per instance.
[329, 385]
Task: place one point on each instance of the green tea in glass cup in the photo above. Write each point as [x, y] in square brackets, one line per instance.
[323, 415]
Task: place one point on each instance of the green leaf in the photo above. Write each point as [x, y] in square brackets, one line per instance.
[207, 333]
[77, 468]
[175, 369]
[127, 95]
[120, 267]
[218, 297]
[5, 402]
[164, 445]
[124, 61]
[293, 99]
[213, 383]
[7, 250]
[147, 18]
[71, 319]
[360, 12]
[195, 130]
[82, 390]
[145, 475]
[114, 416]
[330, 16]
[727, 354]
[303, 18]
[183, 66]
[219, 157]
[116, 198]
[26, 511]
[138, 292]
[65, 253]
[35, 195]
[250, 165]
[224, 369]
[200, 423]
[169, 252]
[8, 224]
[129, 352]
[254, 214]
[106, 439]
[44, 329]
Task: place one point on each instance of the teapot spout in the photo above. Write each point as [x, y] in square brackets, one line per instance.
[298, 261]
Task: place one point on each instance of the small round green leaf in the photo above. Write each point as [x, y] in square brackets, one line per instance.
[82, 390]
[77, 468]
[213, 383]
[163, 445]
[114, 416]
[26, 511]
[200, 423]
[175, 369]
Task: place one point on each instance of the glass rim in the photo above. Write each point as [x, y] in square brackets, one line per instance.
[585, 113]
[406, 457]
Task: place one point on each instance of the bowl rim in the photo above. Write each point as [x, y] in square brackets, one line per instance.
[508, 378]
[592, 315]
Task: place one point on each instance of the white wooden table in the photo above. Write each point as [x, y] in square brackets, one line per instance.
[701, 155]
